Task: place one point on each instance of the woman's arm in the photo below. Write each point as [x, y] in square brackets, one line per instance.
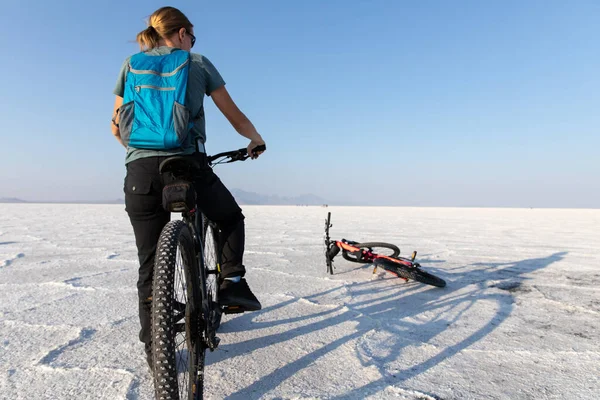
[115, 120]
[237, 118]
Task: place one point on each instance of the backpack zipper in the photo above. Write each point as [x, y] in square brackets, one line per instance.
[164, 89]
[164, 74]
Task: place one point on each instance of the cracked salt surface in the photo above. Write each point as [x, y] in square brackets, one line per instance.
[518, 319]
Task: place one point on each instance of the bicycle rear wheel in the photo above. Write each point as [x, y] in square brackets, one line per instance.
[414, 273]
[381, 248]
[177, 349]
[212, 264]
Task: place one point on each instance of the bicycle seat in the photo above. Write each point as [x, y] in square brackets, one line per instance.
[178, 165]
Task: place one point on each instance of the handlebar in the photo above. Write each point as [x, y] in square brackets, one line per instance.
[235, 155]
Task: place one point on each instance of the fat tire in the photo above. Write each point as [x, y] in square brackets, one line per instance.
[175, 236]
[372, 245]
[411, 273]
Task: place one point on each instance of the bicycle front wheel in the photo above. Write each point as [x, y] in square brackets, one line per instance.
[177, 350]
[381, 248]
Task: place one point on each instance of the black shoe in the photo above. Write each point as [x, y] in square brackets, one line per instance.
[237, 297]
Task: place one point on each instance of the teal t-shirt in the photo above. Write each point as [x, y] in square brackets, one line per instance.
[203, 78]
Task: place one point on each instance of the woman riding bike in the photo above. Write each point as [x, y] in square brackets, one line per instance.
[169, 37]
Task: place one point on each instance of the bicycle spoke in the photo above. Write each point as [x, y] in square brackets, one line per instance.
[211, 263]
[182, 376]
[183, 338]
[180, 273]
[182, 365]
[180, 306]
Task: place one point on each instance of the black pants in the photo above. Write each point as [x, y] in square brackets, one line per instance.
[143, 203]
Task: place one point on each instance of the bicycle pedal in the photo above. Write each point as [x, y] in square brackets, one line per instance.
[233, 310]
[214, 343]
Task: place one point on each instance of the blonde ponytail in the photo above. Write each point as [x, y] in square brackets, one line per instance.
[162, 23]
[148, 38]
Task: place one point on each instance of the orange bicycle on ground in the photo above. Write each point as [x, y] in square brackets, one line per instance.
[371, 253]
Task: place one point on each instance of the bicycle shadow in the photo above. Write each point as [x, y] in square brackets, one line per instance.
[389, 312]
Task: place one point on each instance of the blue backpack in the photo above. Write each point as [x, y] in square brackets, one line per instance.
[153, 114]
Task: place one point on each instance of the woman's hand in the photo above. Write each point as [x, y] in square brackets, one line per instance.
[253, 144]
[114, 126]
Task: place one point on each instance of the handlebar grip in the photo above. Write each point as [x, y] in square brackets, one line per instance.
[236, 155]
[258, 148]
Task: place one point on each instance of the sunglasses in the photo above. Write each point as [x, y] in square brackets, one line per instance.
[193, 38]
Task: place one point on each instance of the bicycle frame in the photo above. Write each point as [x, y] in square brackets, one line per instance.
[333, 247]
[194, 220]
[368, 256]
[197, 318]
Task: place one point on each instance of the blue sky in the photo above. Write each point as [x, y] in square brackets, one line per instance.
[433, 103]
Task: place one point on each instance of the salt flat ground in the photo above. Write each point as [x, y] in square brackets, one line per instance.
[519, 318]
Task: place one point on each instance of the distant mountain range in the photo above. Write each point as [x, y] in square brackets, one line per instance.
[11, 200]
[251, 198]
[243, 198]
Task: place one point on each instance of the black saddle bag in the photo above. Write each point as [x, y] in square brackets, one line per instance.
[177, 175]
[179, 196]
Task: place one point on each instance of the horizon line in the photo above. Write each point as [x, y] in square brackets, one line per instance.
[326, 205]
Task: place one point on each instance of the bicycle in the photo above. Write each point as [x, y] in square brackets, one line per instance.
[185, 305]
[404, 268]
